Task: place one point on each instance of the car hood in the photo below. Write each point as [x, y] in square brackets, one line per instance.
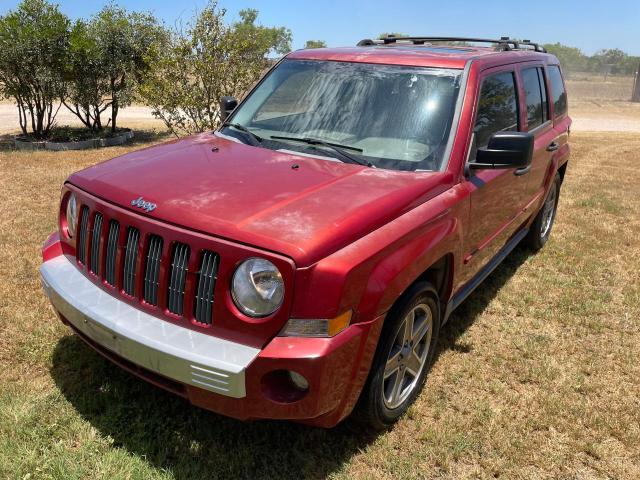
[297, 205]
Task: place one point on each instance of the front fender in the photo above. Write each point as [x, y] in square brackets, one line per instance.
[370, 274]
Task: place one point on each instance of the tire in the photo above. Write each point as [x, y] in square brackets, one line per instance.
[540, 229]
[387, 396]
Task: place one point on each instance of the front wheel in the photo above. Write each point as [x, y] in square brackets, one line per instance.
[541, 226]
[405, 351]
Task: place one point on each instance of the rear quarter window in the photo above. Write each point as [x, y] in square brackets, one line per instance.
[535, 96]
[558, 93]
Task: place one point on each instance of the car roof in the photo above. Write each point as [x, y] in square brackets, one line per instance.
[445, 56]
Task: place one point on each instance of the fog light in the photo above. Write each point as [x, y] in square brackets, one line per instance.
[284, 386]
[298, 380]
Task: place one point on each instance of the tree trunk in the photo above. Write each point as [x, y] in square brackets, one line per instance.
[114, 114]
[635, 95]
[22, 114]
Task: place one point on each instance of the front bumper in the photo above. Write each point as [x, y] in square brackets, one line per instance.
[178, 353]
[217, 374]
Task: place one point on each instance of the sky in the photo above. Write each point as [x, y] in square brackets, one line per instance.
[589, 25]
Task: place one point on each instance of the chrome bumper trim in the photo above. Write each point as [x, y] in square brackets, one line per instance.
[178, 353]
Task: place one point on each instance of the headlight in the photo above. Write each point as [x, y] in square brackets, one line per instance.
[258, 289]
[72, 215]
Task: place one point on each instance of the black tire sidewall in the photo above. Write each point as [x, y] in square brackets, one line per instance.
[535, 239]
[379, 414]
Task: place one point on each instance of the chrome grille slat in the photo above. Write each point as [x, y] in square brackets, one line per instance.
[152, 270]
[179, 266]
[98, 244]
[96, 235]
[130, 260]
[206, 284]
[82, 234]
[112, 250]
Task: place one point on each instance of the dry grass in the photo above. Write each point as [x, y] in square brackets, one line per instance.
[594, 87]
[602, 106]
[537, 374]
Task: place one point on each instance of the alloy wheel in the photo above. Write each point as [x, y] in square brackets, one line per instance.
[408, 356]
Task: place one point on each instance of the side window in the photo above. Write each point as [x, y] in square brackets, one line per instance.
[557, 90]
[536, 97]
[543, 87]
[497, 107]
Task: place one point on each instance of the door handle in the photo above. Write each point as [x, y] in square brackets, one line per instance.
[552, 147]
[522, 171]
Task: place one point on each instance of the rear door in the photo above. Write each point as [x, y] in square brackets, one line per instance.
[497, 196]
[537, 121]
[559, 112]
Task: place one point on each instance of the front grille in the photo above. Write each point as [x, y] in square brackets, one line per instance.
[112, 251]
[130, 261]
[179, 266]
[148, 267]
[206, 282]
[152, 270]
[95, 243]
[82, 234]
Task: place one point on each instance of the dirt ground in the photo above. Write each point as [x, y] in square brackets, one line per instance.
[135, 116]
[595, 104]
[536, 375]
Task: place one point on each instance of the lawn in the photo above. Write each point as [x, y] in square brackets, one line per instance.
[537, 374]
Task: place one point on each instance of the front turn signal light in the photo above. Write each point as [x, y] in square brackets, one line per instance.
[316, 327]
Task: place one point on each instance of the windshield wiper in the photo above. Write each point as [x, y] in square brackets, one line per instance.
[333, 146]
[255, 139]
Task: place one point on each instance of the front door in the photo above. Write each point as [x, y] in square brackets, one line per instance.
[497, 196]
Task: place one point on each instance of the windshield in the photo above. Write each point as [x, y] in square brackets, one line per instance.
[386, 116]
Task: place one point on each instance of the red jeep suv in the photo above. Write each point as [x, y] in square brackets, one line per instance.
[300, 261]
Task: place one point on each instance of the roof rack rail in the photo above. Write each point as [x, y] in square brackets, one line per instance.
[504, 43]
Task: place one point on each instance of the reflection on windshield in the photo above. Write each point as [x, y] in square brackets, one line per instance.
[399, 117]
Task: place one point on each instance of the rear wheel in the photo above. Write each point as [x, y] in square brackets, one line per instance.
[403, 357]
[541, 227]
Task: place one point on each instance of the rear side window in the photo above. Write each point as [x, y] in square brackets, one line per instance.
[497, 107]
[559, 95]
[536, 97]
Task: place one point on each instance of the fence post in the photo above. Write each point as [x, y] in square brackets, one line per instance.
[635, 95]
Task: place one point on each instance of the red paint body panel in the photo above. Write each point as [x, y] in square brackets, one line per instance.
[253, 196]
[345, 237]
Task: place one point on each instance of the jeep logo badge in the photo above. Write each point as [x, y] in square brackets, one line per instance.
[143, 204]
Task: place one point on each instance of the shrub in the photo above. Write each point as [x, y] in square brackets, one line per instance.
[315, 44]
[33, 43]
[125, 47]
[87, 86]
[209, 60]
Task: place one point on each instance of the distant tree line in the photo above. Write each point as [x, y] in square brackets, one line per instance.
[612, 60]
[96, 66]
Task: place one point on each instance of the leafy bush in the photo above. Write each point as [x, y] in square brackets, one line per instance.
[108, 57]
[205, 62]
[33, 45]
[87, 86]
[315, 44]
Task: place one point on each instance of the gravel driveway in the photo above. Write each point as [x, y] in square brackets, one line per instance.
[135, 115]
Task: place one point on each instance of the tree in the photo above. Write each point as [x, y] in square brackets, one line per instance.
[208, 60]
[315, 44]
[610, 60]
[571, 58]
[382, 36]
[126, 44]
[87, 84]
[33, 44]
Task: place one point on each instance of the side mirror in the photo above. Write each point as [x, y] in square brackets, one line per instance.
[227, 105]
[506, 150]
